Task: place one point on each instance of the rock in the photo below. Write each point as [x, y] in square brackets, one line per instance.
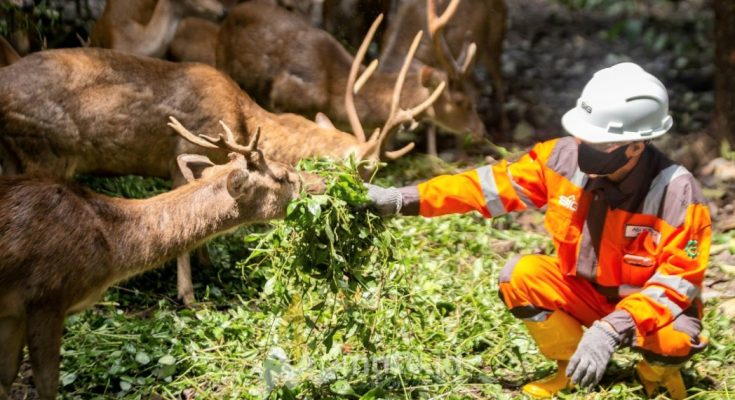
[502, 246]
[727, 268]
[726, 224]
[721, 169]
[728, 308]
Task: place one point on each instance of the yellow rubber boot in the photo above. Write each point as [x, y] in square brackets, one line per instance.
[654, 376]
[557, 338]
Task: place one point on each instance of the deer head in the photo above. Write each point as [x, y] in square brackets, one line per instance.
[262, 188]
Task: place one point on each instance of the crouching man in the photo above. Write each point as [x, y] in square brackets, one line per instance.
[631, 230]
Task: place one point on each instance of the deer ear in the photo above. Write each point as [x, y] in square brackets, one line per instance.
[237, 182]
[192, 166]
[323, 121]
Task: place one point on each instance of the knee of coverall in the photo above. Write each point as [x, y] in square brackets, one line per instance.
[516, 285]
[674, 343]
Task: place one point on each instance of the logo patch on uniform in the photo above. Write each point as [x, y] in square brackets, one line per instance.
[569, 202]
[632, 231]
[692, 249]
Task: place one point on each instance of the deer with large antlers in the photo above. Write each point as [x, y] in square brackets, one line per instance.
[94, 111]
[63, 246]
[481, 22]
[146, 27]
[291, 66]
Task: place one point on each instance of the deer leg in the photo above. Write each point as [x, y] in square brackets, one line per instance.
[184, 283]
[45, 327]
[431, 140]
[12, 338]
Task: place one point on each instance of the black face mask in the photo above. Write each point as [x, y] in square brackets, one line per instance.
[596, 162]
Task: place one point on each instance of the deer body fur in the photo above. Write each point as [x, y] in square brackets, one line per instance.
[65, 112]
[286, 63]
[63, 246]
[195, 41]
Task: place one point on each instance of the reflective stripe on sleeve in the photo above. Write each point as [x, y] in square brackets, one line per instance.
[579, 178]
[658, 294]
[521, 194]
[655, 195]
[490, 191]
[676, 283]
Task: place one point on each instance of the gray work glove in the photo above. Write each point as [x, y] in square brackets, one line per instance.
[589, 361]
[384, 201]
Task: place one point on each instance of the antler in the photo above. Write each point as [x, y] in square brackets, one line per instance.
[397, 116]
[455, 68]
[224, 141]
[351, 88]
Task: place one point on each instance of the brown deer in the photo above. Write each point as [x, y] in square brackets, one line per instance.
[195, 41]
[146, 27]
[284, 62]
[8, 55]
[71, 111]
[196, 38]
[63, 246]
[482, 22]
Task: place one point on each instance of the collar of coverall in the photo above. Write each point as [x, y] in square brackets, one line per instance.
[632, 189]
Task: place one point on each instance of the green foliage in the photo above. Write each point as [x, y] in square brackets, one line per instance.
[326, 249]
[437, 328]
[38, 22]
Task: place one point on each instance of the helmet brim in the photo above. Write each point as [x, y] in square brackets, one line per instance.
[574, 123]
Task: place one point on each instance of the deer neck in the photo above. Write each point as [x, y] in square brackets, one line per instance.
[289, 138]
[154, 230]
[161, 28]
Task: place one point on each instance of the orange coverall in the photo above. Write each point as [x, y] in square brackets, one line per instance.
[645, 254]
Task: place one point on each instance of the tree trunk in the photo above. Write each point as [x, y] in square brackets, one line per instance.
[724, 122]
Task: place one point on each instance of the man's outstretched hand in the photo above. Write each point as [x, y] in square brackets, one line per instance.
[384, 201]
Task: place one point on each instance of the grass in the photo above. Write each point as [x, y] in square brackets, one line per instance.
[437, 327]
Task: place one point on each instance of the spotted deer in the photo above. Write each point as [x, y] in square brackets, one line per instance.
[95, 111]
[146, 27]
[482, 22]
[288, 65]
[63, 246]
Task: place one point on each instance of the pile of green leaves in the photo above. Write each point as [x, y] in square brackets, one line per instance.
[329, 246]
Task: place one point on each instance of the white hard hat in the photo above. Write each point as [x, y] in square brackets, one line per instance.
[620, 104]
